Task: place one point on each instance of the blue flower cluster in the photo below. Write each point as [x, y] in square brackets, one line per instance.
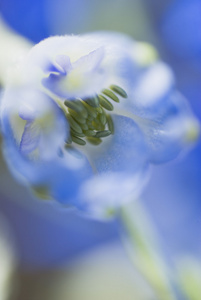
[83, 117]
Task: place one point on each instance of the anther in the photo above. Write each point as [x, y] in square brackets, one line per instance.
[73, 105]
[118, 90]
[78, 118]
[94, 101]
[105, 103]
[78, 140]
[110, 94]
[94, 141]
[90, 126]
[83, 110]
[88, 119]
[91, 111]
[102, 118]
[75, 133]
[89, 133]
[84, 126]
[99, 109]
[74, 124]
[110, 124]
[103, 133]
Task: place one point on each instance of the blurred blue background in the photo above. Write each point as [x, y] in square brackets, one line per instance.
[46, 236]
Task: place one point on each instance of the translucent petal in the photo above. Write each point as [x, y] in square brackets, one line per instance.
[60, 175]
[90, 61]
[122, 169]
[104, 194]
[61, 65]
[149, 96]
[126, 150]
[30, 138]
[171, 132]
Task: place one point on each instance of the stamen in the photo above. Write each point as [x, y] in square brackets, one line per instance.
[118, 90]
[94, 102]
[111, 95]
[77, 117]
[84, 126]
[83, 110]
[110, 124]
[78, 140]
[75, 133]
[73, 124]
[103, 118]
[89, 133]
[88, 119]
[103, 133]
[73, 105]
[90, 110]
[94, 141]
[105, 103]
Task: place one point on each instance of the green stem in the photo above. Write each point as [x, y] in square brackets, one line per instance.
[143, 251]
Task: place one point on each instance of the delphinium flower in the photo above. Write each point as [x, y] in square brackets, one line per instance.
[83, 117]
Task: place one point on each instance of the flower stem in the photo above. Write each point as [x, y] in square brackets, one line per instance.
[143, 251]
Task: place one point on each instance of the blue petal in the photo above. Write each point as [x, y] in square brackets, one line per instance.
[126, 150]
[30, 138]
[60, 176]
[88, 65]
[121, 165]
[150, 92]
[61, 65]
[90, 61]
[52, 82]
[167, 135]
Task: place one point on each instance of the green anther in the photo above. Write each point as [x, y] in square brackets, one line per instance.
[97, 101]
[91, 111]
[103, 119]
[89, 118]
[94, 141]
[111, 95]
[118, 90]
[83, 110]
[99, 110]
[73, 105]
[90, 126]
[84, 126]
[110, 124]
[94, 102]
[105, 103]
[103, 133]
[102, 116]
[77, 117]
[73, 124]
[97, 125]
[89, 133]
[96, 122]
[78, 141]
[75, 133]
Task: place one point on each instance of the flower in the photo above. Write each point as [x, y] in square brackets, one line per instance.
[83, 117]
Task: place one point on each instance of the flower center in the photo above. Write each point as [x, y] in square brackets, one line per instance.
[88, 119]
